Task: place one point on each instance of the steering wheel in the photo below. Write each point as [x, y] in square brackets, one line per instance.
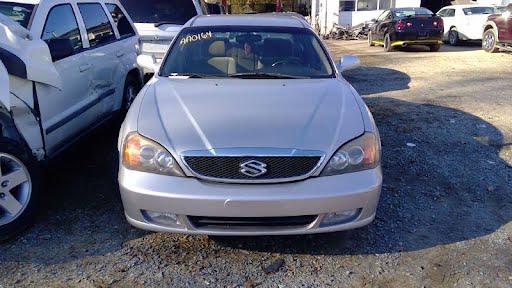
[281, 62]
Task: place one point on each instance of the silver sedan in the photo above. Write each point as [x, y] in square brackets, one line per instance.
[248, 128]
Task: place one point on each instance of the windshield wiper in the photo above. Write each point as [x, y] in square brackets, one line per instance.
[166, 22]
[261, 75]
[189, 75]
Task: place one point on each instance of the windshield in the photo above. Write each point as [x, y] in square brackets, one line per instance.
[160, 11]
[18, 12]
[480, 10]
[406, 12]
[251, 52]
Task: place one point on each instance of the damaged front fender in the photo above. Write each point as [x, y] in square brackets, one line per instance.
[24, 56]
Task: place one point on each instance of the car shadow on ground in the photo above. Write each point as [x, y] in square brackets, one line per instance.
[448, 185]
[463, 46]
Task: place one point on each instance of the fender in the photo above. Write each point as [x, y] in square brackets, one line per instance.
[25, 56]
[493, 25]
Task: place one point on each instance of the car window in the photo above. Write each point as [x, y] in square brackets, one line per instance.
[61, 24]
[247, 49]
[99, 30]
[383, 16]
[450, 13]
[347, 5]
[405, 12]
[18, 12]
[123, 25]
[441, 13]
[160, 11]
[479, 10]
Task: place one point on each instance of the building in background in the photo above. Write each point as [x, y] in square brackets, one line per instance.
[351, 12]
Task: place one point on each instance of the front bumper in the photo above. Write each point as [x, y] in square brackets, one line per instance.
[187, 197]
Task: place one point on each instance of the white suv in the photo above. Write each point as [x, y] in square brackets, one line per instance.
[159, 21]
[65, 67]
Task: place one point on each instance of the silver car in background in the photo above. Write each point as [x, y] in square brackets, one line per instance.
[248, 128]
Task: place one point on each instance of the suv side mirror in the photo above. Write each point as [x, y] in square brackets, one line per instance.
[60, 48]
[348, 62]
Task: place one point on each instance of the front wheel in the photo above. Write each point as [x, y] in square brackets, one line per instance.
[370, 39]
[20, 196]
[387, 44]
[434, 47]
[489, 41]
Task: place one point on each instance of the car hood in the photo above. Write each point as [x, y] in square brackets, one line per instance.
[202, 114]
[163, 32]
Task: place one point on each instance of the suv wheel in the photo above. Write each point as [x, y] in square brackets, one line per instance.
[453, 37]
[387, 44]
[489, 41]
[131, 89]
[19, 188]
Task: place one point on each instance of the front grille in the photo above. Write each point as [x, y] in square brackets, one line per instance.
[251, 222]
[228, 167]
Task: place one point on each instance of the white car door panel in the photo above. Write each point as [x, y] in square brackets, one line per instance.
[69, 110]
[101, 54]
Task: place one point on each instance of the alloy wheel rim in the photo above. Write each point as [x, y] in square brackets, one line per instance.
[488, 41]
[15, 188]
[452, 37]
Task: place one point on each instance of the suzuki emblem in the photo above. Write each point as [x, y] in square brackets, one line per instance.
[253, 168]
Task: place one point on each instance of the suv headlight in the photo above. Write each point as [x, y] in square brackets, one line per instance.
[141, 154]
[359, 154]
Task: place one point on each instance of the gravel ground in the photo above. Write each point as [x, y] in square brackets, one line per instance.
[444, 220]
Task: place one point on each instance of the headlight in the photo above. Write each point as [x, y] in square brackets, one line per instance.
[359, 154]
[142, 154]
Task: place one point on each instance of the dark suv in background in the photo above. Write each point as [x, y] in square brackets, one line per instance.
[498, 32]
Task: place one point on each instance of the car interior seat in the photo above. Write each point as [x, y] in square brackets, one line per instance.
[219, 60]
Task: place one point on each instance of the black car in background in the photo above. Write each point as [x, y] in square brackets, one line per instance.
[400, 27]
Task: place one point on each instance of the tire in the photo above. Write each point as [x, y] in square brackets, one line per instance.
[130, 91]
[387, 44]
[434, 47]
[453, 37]
[370, 39]
[489, 42]
[19, 202]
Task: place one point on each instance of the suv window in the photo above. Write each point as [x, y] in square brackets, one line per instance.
[61, 25]
[123, 25]
[99, 30]
[160, 11]
[18, 12]
[450, 13]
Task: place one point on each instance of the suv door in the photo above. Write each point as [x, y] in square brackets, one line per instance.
[103, 54]
[66, 112]
[126, 52]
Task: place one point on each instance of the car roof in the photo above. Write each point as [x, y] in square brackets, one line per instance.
[467, 6]
[248, 20]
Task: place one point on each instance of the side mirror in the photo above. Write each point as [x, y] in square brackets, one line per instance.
[148, 62]
[60, 48]
[348, 62]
